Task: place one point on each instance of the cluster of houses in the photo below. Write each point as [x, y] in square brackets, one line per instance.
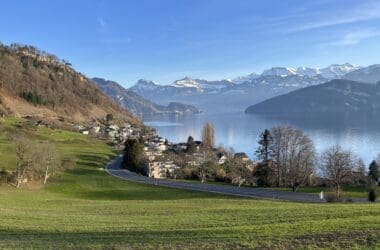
[159, 166]
[154, 146]
[112, 132]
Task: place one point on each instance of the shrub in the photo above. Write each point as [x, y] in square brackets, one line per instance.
[220, 175]
[33, 98]
[372, 195]
[332, 197]
[3, 176]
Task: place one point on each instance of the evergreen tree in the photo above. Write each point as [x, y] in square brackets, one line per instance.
[264, 151]
[133, 159]
[374, 171]
[191, 146]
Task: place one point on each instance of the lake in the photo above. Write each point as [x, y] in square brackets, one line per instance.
[241, 131]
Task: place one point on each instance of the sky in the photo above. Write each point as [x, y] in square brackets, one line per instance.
[166, 40]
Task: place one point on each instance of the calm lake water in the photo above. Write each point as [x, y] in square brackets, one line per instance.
[241, 131]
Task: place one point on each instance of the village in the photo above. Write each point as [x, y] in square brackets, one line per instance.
[164, 159]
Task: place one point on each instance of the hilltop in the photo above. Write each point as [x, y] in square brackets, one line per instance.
[36, 84]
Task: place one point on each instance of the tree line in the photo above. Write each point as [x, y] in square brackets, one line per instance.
[286, 158]
[290, 160]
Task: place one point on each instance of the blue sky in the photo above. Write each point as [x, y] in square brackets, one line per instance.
[164, 40]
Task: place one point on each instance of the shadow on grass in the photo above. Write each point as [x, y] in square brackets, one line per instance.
[181, 238]
[100, 159]
[90, 172]
[89, 164]
[146, 193]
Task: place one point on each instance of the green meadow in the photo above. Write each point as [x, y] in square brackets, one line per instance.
[86, 208]
[347, 191]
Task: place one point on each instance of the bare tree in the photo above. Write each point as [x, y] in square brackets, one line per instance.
[278, 148]
[338, 165]
[24, 156]
[239, 171]
[204, 169]
[48, 160]
[208, 135]
[295, 155]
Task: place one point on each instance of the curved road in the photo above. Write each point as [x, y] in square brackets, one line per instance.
[114, 169]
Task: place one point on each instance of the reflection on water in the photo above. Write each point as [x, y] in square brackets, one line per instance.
[241, 131]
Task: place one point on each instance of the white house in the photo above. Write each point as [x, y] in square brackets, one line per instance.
[222, 159]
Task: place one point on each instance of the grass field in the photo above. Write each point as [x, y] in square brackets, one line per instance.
[347, 191]
[86, 208]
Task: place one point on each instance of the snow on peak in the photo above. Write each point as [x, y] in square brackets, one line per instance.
[306, 71]
[246, 78]
[186, 82]
[145, 84]
[331, 72]
[338, 70]
[280, 71]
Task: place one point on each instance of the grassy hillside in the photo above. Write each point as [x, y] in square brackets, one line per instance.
[87, 208]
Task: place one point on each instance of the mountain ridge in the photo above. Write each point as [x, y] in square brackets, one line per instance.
[137, 104]
[336, 97]
[239, 93]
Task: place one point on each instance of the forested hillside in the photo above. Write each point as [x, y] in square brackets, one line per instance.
[35, 83]
[337, 97]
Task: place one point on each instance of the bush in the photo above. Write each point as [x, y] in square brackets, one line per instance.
[33, 98]
[372, 195]
[3, 176]
[220, 175]
[332, 197]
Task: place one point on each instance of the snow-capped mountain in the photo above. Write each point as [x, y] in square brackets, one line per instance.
[241, 79]
[279, 71]
[146, 85]
[224, 95]
[369, 74]
[333, 71]
[336, 71]
[137, 104]
[306, 71]
[236, 95]
[336, 98]
[186, 82]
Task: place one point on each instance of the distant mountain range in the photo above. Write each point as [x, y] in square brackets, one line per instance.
[137, 104]
[237, 94]
[338, 97]
[369, 74]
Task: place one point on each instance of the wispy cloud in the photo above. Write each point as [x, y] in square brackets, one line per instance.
[352, 37]
[362, 12]
[356, 37]
[102, 25]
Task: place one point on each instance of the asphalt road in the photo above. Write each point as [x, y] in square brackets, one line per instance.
[114, 169]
